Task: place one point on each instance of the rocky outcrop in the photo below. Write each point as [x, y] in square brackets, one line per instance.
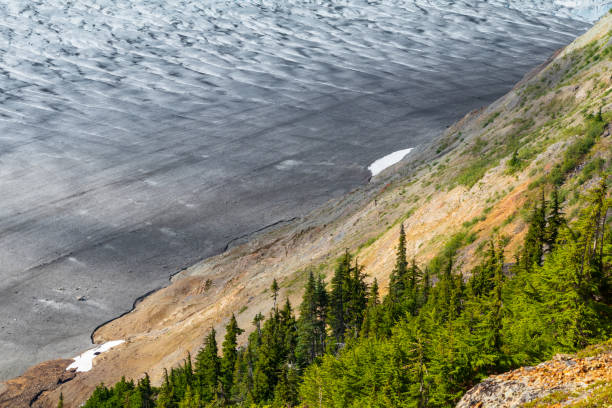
[25, 390]
[563, 381]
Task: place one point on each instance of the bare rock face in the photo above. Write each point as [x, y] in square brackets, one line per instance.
[569, 378]
[24, 391]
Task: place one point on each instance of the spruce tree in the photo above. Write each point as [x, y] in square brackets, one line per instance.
[307, 324]
[535, 239]
[424, 288]
[230, 354]
[414, 274]
[338, 298]
[445, 292]
[165, 396]
[483, 315]
[288, 333]
[482, 279]
[357, 299]
[60, 403]
[373, 318]
[274, 288]
[322, 299]
[188, 401]
[398, 279]
[207, 368]
[411, 296]
[555, 220]
[270, 356]
[257, 319]
[145, 393]
[286, 391]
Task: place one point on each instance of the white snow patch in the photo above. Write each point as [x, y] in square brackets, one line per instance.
[84, 361]
[387, 161]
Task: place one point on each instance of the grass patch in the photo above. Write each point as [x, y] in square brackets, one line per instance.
[474, 172]
[595, 349]
[474, 221]
[593, 167]
[600, 396]
[368, 243]
[577, 150]
[490, 119]
[456, 242]
[551, 399]
[510, 218]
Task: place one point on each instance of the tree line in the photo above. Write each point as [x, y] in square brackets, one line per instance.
[431, 338]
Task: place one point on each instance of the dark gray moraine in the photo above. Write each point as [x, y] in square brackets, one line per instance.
[137, 137]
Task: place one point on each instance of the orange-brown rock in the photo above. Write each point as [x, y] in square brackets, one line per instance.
[569, 378]
[25, 390]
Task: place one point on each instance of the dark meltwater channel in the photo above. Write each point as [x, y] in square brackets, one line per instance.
[137, 137]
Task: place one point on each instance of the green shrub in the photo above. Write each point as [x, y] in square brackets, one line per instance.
[577, 150]
[490, 119]
[474, 172]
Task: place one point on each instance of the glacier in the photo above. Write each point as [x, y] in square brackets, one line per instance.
[140, 136]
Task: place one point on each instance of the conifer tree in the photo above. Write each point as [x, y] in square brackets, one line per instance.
[274, 288]
[445, 297]
[190, 400]
[398, 279]
[482, 280]
[257, 319]
[144, 393]
[278, 342]
[338, 298]
[357, 300]
[424, 288]
[307, 324]
[245, 365]
[278, 338]
[60, 403]
[555, 220]
[207, 368]
[322, 300]
[483, 314]
[230, 355]
[535, 239]
[286, 391]
[412, 295]
[268, 355]
[414, 274]
[373, 319]
[164, 399]
[288, 332]
[247, 361]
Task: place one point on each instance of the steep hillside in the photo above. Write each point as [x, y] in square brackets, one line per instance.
[472, 183]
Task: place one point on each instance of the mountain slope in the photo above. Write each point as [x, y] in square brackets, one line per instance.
[140, 136]
[473, 180]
